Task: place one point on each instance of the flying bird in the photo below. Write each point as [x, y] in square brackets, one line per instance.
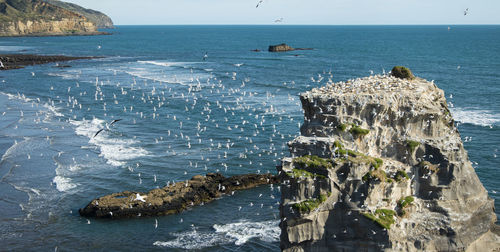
[107, 127]
[1, 65]
[279, 20]
[466, 11]
[205, 56]
[258, 4]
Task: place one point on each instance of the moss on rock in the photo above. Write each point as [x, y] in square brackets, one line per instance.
[383, 217]
[402, 73]
[310, 204]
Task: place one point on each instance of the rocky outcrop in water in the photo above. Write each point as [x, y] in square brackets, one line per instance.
[16, 61]
[380, 166]
[284, 48]
[173, 198]
[39, 18]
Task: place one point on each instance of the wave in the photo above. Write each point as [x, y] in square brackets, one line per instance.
[193, 240]
[63, 184]
[115, 151]
[476, 116]
[238, 233]
[243, 231]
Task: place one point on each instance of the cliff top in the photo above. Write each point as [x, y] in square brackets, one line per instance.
[373, 84]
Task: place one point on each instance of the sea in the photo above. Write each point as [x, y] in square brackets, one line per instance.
[198, 99]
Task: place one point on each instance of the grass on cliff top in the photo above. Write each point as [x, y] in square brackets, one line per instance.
[312, 161]
[383, 217]
[307, 206]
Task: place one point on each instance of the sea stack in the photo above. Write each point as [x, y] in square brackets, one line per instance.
[380, 166]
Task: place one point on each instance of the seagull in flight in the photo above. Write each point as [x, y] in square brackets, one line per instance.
[205, 56]
[466, 11]
[258, 4]
[1, 65]
[279, 20]
[107, 127]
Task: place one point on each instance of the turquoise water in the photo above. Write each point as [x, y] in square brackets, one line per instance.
[182, 115]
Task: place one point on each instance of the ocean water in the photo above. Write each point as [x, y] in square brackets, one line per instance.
[181, 115]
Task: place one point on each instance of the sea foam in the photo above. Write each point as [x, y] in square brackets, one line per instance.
[238, 233]
[476, 116]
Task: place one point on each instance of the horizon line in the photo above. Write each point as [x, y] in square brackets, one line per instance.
[218, 24]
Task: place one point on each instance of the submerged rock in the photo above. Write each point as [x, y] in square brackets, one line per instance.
[173, 198]
[380, 166]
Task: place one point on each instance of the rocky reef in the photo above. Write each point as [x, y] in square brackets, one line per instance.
[40, 18]
[16, 61]
[380, 166]
[174, 198]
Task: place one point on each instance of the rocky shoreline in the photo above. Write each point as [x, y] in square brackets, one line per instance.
[16, 61]
[173, 198]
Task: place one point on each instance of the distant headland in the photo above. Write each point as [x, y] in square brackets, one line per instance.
[49, 18]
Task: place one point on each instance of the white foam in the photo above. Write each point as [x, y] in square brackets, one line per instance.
[63, 184]
[243, 231]
[115, 150]
[475, 116]
[166, 63]
[238, 233]
[193, 240]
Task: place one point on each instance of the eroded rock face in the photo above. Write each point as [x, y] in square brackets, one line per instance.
[39, 18]
[380, 166]
[173, 198]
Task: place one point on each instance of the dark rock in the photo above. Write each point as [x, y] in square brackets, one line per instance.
[280, 48]
[173, 198]
[255, 50]
[402, 73]
[16, 61]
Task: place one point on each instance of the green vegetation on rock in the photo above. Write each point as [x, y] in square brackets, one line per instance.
[357, 131]
[400, 174]
[383, 217]
[402, 73]
[312, 161]
[299, 173]
[357, 157]
[406, 201]
[342, 127]
[412, 145]
[310, 204]
[375, 175]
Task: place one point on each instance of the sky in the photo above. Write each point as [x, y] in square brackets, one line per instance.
[297, 12]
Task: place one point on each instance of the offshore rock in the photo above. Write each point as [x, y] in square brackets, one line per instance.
[284, 48]
[173, 198]
[380, 166]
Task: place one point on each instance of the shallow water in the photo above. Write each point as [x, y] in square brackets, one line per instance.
[182, 115]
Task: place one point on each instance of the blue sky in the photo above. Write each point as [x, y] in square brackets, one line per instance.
[323, 12]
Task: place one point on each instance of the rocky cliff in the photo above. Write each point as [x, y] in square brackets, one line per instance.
[380, 166]
[39, 18]
[98, 18]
